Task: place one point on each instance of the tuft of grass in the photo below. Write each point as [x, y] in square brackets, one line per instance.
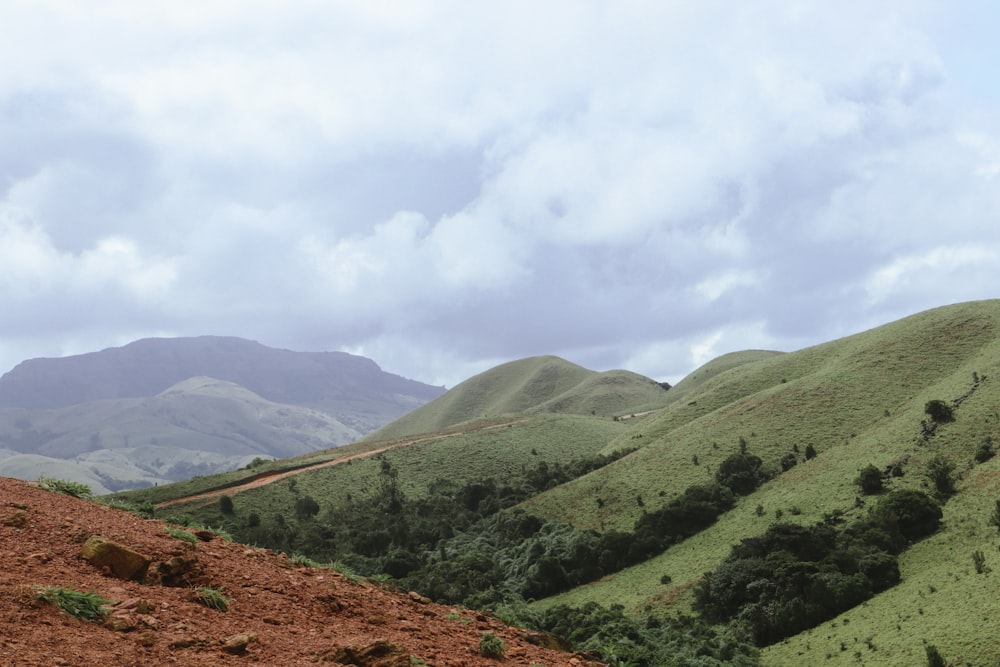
[181, 534]
[491, 646]
[211, 598]
[83, 606]
[66, 487]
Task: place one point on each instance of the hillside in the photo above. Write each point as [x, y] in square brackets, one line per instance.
[279, 613]
[815, 418]
[535, 384]
[856, 401]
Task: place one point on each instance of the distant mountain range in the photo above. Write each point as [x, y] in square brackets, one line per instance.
[165, 409]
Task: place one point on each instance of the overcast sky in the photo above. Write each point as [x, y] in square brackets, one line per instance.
[445, 186]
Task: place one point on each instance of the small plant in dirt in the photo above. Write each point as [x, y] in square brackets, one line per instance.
[491, 646]
[181, 534]
[66, 487]
[211, 598]
[84, 606]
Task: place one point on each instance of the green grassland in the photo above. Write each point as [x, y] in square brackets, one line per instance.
[855, 401]
[492, 449]
[858, 400]
[536, 384]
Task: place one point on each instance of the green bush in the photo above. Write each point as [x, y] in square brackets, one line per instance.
[741, 473]
[870, 480]
[491, 646]
[985, 451]
[939, 473]
[65, 487]
[934, 658]
[939, 411]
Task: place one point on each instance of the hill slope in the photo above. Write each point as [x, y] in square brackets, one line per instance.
[279, 613]
[535, 384]
[855, 401]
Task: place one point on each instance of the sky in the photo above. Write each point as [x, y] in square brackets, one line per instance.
[446, 186]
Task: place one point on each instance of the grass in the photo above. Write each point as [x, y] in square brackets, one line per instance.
[211, 598]
[66, 487]
[857, 401]
[83, 606]
[536, 384]
[181, 534]
[491, 646]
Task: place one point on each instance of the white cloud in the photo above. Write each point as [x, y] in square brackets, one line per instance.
[447, 185]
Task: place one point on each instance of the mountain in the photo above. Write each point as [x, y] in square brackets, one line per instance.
[351, 388]
[161, 410]
[815, 418]
[532, 385]
[205, 601]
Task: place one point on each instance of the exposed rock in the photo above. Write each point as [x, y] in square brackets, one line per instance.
[178, 571]
[15, 520]
[546, 640]
[376, 654]
[237, 644]
[121, 561]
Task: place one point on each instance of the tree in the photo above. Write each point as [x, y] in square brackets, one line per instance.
[306, 507]
[226, 505]
[939, 471]
[741, 473]
[939, 411]
[870, 480]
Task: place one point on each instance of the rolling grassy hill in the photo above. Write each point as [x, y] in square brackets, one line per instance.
[535, 384]
[849, 403]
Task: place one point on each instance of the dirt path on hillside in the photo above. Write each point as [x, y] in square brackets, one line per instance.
[278, 476]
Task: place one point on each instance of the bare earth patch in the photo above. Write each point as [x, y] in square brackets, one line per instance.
[279, 614]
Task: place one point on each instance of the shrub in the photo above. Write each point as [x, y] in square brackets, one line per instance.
[306, 507]
[939, 411]
[226, 505]
[65, 487]
[979, 561]
[810, 452]
[985, 451]
[741, 473]
[870, 480]
[939, 471]
[83, 606]
[788, 461]
[934, 658]
[491, 646]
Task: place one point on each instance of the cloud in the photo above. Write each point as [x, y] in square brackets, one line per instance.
[445, 186]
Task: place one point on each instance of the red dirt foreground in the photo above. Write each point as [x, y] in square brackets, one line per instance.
[279, 613]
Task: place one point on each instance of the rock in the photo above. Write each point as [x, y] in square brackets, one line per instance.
[121, 561]
[176, 572]
[546, 640]
[15, 520]
[376, 654]
[417, 597]
[237, 644]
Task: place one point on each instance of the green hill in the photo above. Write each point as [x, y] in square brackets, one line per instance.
[535, 384]
[815, 417]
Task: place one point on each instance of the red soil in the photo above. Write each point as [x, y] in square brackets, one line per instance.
[291, 615]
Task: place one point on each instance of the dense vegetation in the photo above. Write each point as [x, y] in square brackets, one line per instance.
[794, 577]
